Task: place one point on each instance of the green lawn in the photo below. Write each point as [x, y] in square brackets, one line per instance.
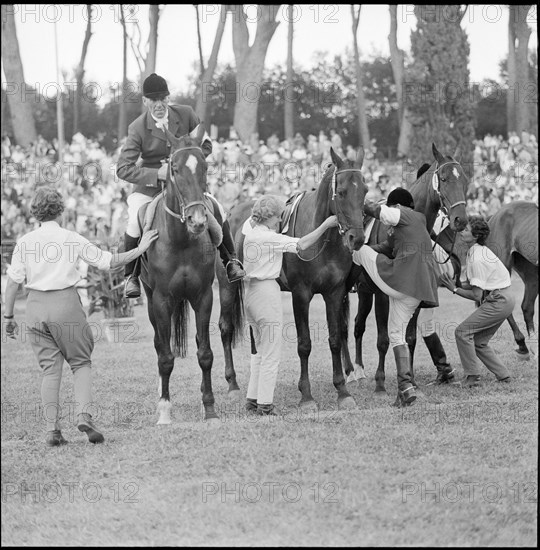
[458, 468]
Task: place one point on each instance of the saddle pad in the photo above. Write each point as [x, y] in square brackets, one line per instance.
[149, 212]
[289, 209]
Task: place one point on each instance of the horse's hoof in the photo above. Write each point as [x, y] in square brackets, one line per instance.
[523, 356]
[164, 411]
[234, 396]
[212, 422]
[351, 378]
[360, 372]
[379, 392]
[163, 421]
[347, 403]
[308, 406]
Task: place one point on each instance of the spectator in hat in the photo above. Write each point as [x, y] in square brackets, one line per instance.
[146, 140]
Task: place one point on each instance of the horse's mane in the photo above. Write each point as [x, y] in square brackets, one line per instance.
[322, 210]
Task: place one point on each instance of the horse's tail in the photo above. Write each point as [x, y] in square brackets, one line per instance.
[180, 318]
[237, 316]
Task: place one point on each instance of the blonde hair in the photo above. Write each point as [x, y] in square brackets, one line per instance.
[266, 207]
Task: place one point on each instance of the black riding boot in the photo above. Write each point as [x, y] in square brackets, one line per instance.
[132, 287]
[233, 267]
[406, 392]
[445, 373]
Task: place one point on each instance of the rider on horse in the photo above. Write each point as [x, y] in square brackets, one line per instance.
[146, 139]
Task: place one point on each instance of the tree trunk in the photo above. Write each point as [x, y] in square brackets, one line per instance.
[249, 65]
[289, 106]
[122, 118]
[363, 130]
[511, 68]
[523, 33]
[203, 95]
[79, 71]
[150, 59]
[24, 128]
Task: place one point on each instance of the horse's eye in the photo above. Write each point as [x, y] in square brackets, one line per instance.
[341, 194]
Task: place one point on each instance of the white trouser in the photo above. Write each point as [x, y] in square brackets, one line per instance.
[402, 307]
[265, 316]
[134, 202]
[425, 321]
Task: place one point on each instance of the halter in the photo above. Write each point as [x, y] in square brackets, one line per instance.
[437, 187]
[183, 205]
[334, 188]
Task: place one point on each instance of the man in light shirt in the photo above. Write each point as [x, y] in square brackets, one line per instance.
[47, 258]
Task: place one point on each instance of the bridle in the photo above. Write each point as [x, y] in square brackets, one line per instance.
[342, 227]
[444, 210]
[184, 207]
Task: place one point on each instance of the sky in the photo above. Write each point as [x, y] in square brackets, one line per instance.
[318, 27]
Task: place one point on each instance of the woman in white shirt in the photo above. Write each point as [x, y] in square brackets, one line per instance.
[263, 256]
[56, 322]
[490, 286]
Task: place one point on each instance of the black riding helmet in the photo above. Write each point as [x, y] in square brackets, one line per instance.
[400, 196]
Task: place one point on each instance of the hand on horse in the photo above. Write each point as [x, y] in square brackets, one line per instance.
[446, 280]
[147, 239]
[11, 328]
[331, 221]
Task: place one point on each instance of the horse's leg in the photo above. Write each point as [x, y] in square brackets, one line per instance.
[205, 357]
[529, 275]
[522, 350]
[410, 338]
[159, 313]
[334, 302]
[226, 327]
[382, 311]
[301, 300]
[346, 361]
[365, 303]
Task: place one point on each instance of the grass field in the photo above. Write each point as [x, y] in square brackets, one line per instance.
[457, 468]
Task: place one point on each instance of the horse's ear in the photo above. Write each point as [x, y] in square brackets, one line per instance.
[457, 153]
[198, 133]
[336, 159]
[360, 157]
[173, 140]
[438, 157]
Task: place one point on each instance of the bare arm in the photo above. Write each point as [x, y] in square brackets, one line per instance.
[311, 238]
[471, 293]
[123, 258]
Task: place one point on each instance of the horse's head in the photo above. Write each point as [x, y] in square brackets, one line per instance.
[450, 183]
[348, 190]
[186, 179]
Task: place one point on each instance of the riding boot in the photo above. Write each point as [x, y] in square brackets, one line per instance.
[406, 391]
[445, 373]
[132, 287]
[233, 266]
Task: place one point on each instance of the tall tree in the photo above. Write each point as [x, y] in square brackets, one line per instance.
[437, 90]
[361, 100]
[523, 33]
[511, 70]
[250, 64]
[289, 107]
[79, 71]
[397, 58]
[24, 128]
[122, 118]
[207, 74]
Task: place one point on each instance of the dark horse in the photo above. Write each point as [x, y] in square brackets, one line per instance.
[514, 238]
[442, 187]
[178, 269]
[325, 267]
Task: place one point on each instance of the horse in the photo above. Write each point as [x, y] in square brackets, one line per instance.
[178, 269]
[514, 239]
[441, 187]
[324, 268]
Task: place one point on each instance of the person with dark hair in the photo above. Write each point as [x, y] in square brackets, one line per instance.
[402, 267]
[146, 141]
[489, 285]
[56, 322]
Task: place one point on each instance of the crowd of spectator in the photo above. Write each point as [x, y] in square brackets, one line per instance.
[504, 171]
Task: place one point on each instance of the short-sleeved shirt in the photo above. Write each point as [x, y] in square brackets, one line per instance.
[263, 250]
[47, 258]
[485, 270]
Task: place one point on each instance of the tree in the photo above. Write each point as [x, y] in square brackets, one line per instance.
[24, 128]
[522, 35]
[250, 64]
[207, 74]
[122, 119]
[79, 70]
[289, 107]
[362, 117]
[437, 88]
